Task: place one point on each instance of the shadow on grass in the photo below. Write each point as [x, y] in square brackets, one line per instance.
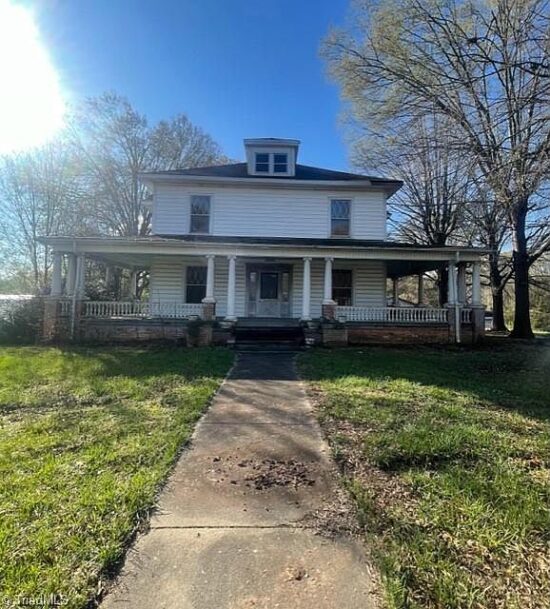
[515, 376]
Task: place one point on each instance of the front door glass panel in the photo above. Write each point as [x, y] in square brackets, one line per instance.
[269, 286]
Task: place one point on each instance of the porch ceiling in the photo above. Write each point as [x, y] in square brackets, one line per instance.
[403, 268]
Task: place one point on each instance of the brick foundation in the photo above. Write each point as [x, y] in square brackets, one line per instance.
[398, 334]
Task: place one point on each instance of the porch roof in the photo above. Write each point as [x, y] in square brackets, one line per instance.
[137, 252]
[402, 258]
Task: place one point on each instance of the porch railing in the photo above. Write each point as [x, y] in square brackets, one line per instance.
[466, 316]
[110, 309]
[393, 314]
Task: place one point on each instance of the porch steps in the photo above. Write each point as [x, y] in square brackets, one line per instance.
[268, 335]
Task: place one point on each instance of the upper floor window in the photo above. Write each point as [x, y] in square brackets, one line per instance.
[200, 214]
[280, 163]
[267, 162]
[195, 284]
[262, 162]
[340, 212]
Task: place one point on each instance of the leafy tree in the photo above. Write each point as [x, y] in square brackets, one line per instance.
[485, 66]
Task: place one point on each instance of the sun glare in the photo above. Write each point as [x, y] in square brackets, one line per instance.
[31, 102]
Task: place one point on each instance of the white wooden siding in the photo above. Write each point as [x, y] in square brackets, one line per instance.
[268, 213]
[167, 282]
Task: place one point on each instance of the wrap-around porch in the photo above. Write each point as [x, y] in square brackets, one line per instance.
[334, 285]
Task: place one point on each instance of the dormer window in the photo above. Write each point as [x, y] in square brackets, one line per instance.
[262, 162]
[271, 157]
[267, 162]
[280, 163]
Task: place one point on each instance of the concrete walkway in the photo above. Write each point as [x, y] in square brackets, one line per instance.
[230, 531]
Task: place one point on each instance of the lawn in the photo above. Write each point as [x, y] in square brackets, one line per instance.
[447, 456]
[87, 437]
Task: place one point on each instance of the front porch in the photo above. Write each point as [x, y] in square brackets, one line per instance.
[338, 294]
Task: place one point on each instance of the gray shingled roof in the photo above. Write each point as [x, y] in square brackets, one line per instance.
[303, 172]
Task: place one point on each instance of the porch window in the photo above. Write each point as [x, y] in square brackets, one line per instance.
[200, 214]
[262, 162]
[342, 287]
[340, 217]
[195, 284]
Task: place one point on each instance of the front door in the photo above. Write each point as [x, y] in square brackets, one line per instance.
[268, 294]
[268, 291]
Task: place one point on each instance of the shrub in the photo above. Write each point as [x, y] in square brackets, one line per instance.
[20, 323]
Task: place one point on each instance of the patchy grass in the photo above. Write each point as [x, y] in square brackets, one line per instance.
[447, 455]
[87, 437]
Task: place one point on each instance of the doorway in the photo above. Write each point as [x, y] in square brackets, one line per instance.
[268, 290]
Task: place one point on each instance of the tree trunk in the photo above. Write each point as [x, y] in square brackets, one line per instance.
[442, 285]
[499, 324]
[497, 292]
[520, 258]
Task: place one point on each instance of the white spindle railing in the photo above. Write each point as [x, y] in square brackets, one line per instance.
[466, 316]
[393, 314]
[65, 307]
[107, 309]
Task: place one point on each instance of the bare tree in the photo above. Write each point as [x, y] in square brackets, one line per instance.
[485, 226]
[430, 207]
[116, 143]
[39, 193]
[485, 66]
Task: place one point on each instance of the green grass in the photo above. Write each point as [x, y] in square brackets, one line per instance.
[447, 455]
[87, 437]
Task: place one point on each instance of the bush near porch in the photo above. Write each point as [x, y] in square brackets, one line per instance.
[446, 453]
[88, 435]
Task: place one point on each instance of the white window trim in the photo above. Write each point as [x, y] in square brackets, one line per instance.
[351, 212]
[210, 216]
[271, 156]
[343, 267]
[187, 265]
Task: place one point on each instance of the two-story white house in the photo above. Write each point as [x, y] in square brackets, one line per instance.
[269, 239]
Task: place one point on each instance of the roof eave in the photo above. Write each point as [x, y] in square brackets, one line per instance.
[389, 186]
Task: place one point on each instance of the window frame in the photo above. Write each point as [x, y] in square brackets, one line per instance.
[187, 284]
[330, 218]
[275, 163]
[268, 155]
[270, 171]
[209, 215]
[351, 288]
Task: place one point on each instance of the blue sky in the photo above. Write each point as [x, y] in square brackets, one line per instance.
[237, 68]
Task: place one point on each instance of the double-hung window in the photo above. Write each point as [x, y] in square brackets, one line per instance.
[195, 284]
[280, 163]
[200, 214]
[342, 287]
[271, 163]
[340, 213]
[262, 162]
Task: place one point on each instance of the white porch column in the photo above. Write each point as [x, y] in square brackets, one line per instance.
[56, 275]
[476, 284]
[132, 288]
[306, 290]
[327, 296]
[451, 284]
[108, 276]
[420, 289]
[209, 298]
[231, 280]
[461, 295]
[80, 281]
[71, 275]
[395, 291]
